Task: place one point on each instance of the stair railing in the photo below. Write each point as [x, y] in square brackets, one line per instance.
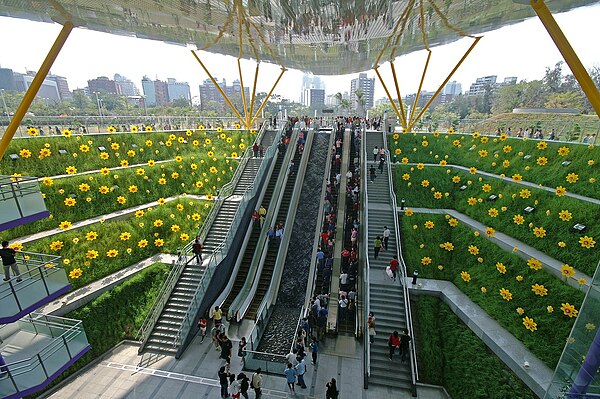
[222, 249]
[413, 355]
[364, 228]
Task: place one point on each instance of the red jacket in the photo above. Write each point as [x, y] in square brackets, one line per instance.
[394, 264]
[394, 341]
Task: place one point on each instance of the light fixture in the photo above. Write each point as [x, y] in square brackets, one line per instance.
[527, 157]
[566, 163]
[580, 228]
[463, 188]
[14, 157]
[101, 148]
[529, 209]
[492, 197]
[62, 152]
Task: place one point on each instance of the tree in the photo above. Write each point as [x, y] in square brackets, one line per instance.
[360, 102]
[553, 78]
[570, 99]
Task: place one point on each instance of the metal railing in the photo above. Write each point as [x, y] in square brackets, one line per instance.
[68, 341]
[367, 266]
[41, 275]
[221, 251]
[413, 354]
[243, 300]
[185, 255]
[14, 188]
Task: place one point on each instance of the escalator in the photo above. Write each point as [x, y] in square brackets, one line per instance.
[253, 240]
[273, 250]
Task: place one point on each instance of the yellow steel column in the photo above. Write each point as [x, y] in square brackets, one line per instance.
[387, 92]
[267, 97]
[35, 86]
[563, 45]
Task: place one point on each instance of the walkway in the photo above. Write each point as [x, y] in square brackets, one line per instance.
[509, 349]
[508, 243]
[83, 295]
[194, 376]
[510, 180]
[101, 219]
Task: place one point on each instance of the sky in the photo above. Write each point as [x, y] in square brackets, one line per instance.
[523, 50]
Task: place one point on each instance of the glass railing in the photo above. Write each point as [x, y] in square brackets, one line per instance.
[403, 272]
[269, 363]
[41, 280]
[65, 342]
[221, 251]
[20, 198]
[364, 228]
[576, 374]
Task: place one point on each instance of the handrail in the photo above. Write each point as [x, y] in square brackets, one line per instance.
[271, 294]
[413, 354]
[185, 255]
[262, 247]
[364, 226]
[297, 328]
[221, 251]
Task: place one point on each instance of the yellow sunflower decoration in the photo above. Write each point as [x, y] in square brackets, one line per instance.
[32, 131]
[111, 129]
[134, 129]
[148, 128]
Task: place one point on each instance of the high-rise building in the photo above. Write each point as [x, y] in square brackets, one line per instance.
[482, 84]
[453, 88]
[48, 90]
[63, 86]
[126, 87]
[208, 91]
[367, 86]
[7, 79]
[149, 91]
[161, 90]
[508, 81]
[178, 90]
[314, 98]
[104, 84]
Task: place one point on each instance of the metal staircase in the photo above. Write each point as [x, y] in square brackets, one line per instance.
[386, 299]
[163, 336]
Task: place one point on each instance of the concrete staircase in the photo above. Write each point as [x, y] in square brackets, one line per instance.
[386, 299]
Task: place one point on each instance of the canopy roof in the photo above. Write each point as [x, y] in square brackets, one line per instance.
[325, 37]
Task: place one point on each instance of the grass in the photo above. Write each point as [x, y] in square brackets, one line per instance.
[86, 253]
[451, 355]
[105, 327]
[523, 158]
[83, 151]
[509, 203]
[422, 251]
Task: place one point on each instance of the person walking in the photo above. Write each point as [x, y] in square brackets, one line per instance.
[256, 382]
[290, 375]
[394, 266]
[244, 384]
[375, 153]
[372, 174]
[255, 150]
[404, 344]
[197, 250]
[381, 163]
[301, 369]
[262, 213]
[224, 382]
[234, 387]
[242, 349]
[314, 348]
[377, 245]
[393, 343]
[226, 347]
[202, 328]
[386, 237]
[218, 316]
[332, 391]
[371, 327]
[9, 262]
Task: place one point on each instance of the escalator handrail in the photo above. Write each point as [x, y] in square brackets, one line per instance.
[413, 355]
[220, 252]
[271, 294]
[242, 301]
[367, 266]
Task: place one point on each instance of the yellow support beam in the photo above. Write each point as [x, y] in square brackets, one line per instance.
[403, 113]
[254, 89]
[267, 97]
[235, 111]
[565, 48]
[414, 107]
[387, 92]
[439, 90]
[35, 86]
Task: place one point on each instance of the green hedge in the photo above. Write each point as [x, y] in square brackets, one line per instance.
[451, 355]
[422, 251]
[509, 203]
[104, 326]
[461, 149]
